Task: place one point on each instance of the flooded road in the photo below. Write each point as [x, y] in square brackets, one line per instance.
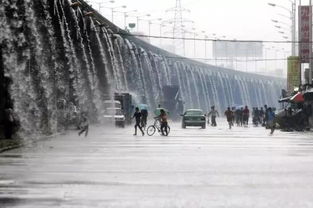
[213, 167]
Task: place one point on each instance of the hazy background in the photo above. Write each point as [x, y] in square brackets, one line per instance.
[222, 19]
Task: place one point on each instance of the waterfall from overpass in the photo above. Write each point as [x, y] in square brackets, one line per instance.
[54, 53]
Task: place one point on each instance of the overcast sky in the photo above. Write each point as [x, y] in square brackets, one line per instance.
[235, 19]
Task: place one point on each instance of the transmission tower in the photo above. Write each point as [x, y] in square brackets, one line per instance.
[179, 24]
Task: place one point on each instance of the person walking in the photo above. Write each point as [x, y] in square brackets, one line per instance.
[271, 120]
[265, 116]
[255, 116]
[261, 115]
[229, 116]
[238, 116]
[84, 125]
[213, 113]
[137, 115]
[144, 117]
[245, 115]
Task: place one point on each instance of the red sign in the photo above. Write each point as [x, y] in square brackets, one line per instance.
[305, 33]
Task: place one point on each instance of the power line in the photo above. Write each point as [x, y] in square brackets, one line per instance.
[211, 39]
[225, 59]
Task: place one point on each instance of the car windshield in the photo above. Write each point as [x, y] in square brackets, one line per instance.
[112, 104]
[112, 111]
[193, 113]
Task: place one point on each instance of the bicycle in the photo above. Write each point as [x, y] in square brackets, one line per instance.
[156, 126]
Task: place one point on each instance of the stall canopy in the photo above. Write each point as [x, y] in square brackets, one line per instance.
[297, 98]
[285, 99]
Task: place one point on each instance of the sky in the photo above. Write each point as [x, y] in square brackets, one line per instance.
[228, 19]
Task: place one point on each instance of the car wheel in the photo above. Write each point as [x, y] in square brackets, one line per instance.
[183, 125]
[203, 126]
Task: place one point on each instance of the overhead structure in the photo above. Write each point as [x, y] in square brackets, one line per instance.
[179, 24]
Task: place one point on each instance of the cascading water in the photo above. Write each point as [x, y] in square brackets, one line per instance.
[55, 53]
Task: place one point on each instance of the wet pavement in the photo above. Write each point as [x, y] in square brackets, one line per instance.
[214, 167]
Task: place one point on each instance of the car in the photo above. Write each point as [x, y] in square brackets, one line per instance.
[112, 104]
[115, 115]
[194, 117]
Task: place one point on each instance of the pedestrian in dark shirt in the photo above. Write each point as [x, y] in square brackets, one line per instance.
[265, 116]
[144, 117]
[238, 115]
[245, 115]
[229, 116]
[261, 115]
[137, 115]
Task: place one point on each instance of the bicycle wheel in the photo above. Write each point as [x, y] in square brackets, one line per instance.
[168, 130]
[151, 130]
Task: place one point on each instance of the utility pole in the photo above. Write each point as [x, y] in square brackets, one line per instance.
[310, 44]
[178, 30]
[293, 36]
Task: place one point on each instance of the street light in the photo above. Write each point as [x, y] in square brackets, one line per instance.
[137, 18]
[194, 41]
[281, 27]
[271, 4]
[214, 47]
[163, 24]
[205, 40]
[100, 3]
[280, 22]
[112, 10]
[292, 13]
[125, 15]
[150, 22]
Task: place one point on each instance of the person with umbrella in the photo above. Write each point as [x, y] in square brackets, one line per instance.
[144, 115]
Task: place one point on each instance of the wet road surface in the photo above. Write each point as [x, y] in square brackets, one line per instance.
[214, 167]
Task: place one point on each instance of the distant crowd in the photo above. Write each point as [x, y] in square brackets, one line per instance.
[240, 116]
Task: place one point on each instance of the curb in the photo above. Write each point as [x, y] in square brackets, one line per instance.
[9, 144]
[18, 143]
